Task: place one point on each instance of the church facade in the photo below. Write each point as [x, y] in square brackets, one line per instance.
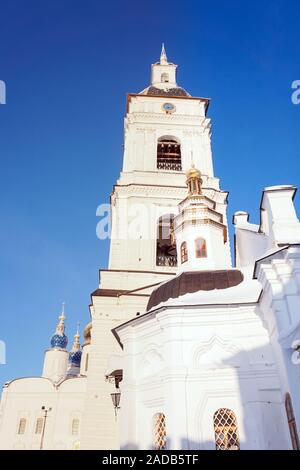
[196, 353]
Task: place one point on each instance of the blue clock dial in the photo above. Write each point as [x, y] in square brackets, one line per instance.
[168, 107]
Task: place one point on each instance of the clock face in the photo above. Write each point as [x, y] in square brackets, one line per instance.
[168, 107]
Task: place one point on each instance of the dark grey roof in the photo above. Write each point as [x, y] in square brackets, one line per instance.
[194, 281]
[178, 91]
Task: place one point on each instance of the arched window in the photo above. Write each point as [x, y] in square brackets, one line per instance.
[39, 426]
[226, 431]
[165, 247]
[75, 426]
[86, 366]
[160, 434]
[22, 426]
[200, 248]
[183, 252]
[165, 77]
[292, 422]
[168, 154]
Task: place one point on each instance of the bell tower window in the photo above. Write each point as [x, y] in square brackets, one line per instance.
[168, 154]
[165, 248]
[165, 78]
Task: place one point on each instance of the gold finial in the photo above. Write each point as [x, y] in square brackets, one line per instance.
[61, 324]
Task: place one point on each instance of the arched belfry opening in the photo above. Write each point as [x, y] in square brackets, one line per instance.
[168, 154]
[166, 254]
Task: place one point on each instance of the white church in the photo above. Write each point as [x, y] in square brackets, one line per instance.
[185, 349]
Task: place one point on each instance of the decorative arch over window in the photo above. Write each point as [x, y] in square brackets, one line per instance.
[183, 252]
[165, 77]
[168, 154]
[292, 422]
[75, 427]
[160, 434]
[226, 430]
[200, 248]
[39, 426]
[22, 426]
[165, 248]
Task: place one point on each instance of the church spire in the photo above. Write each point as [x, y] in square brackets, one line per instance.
[75, 355]
[59, 339]
[61, 324]
[163, 56]
[76, 344]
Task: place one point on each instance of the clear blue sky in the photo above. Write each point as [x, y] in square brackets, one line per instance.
[68, 65]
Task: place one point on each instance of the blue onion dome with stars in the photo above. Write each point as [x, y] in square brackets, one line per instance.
[75, 353]
[59, 340]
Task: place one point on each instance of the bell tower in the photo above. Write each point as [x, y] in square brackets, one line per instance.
[163, 73]
[165, 128]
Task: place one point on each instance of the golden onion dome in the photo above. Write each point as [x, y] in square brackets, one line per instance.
[193, 173]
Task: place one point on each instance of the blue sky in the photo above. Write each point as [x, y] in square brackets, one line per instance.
[68, 65]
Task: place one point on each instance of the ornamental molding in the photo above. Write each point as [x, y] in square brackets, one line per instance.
[145, 130]
[218, 348]
[155, 402]
[194, 133]
[179, 191]
[143, 190]
[198, 121]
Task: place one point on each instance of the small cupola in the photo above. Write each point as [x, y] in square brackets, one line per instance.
[75, 355]
[199, 230]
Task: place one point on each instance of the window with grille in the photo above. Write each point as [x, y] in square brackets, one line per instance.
[226, 431]
[183, 252]
[22, 426]
[168, 154]
[292, 422]
[75, 426]
[39, 426]
[200, 247]
[160, 435]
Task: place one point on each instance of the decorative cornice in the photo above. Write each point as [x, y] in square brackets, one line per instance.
[161, 190]
[134, 118]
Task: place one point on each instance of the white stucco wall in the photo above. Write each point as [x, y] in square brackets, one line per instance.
[24, 398]
[187, 362]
